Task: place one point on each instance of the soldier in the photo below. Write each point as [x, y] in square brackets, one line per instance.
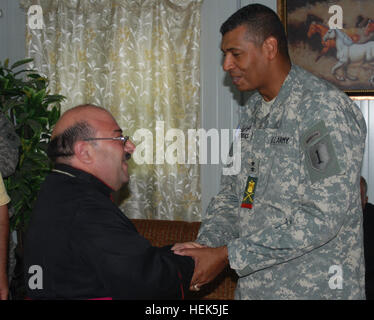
[299, 233]
[9, 143]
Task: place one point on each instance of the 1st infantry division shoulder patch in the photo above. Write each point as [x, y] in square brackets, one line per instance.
[320, 157]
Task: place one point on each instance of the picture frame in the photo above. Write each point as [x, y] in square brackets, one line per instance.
[344, 57]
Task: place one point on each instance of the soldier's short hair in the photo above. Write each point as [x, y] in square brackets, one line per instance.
[261, 23]
[364, 184]
[62, 145]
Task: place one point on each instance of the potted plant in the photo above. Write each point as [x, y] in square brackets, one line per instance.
[25, 99]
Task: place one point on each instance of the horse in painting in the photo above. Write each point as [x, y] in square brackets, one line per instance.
[349, 52]
[321, 29]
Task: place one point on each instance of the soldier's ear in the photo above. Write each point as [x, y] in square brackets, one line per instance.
[270, 47]
[83, 151]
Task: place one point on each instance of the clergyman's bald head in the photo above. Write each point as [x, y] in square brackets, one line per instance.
[75, 124]
[84, 112]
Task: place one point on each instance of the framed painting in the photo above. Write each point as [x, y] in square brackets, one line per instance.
[333, 39]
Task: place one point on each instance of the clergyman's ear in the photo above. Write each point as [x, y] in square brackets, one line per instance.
[83, 151]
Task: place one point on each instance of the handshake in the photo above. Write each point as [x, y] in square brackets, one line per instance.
[209, 262]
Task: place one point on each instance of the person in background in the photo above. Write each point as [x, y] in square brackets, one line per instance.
[368, 212]
[9, 143]
[4, 237]
[79, 245]
[289, 223]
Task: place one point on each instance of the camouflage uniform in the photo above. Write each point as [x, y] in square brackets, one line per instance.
[9, 143]
[300, 174]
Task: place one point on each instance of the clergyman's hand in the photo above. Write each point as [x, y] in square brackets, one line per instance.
[186, 245]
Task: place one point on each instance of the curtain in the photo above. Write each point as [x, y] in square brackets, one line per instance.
[139, 59]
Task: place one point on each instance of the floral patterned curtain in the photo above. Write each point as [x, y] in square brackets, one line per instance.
[139, 59]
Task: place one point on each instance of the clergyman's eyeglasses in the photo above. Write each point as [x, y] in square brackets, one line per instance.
[123, 139]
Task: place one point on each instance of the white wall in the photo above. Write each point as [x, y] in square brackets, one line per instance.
[219, 102]
[367, 108]
[12, 31]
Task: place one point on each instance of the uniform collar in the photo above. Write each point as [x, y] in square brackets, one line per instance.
[72, 172]
[286, 89]
[273, 120]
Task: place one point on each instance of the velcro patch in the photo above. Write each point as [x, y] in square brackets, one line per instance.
[280, 140]
[320, 157]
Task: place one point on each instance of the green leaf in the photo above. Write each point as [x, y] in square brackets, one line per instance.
[35, 112]
[37, 98]
[35, 76]
[34, 124]
[22, 71]
[20, 63]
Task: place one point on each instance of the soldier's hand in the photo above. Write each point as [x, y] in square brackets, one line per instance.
[209, 262]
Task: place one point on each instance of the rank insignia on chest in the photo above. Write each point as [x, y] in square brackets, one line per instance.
[249, 193]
